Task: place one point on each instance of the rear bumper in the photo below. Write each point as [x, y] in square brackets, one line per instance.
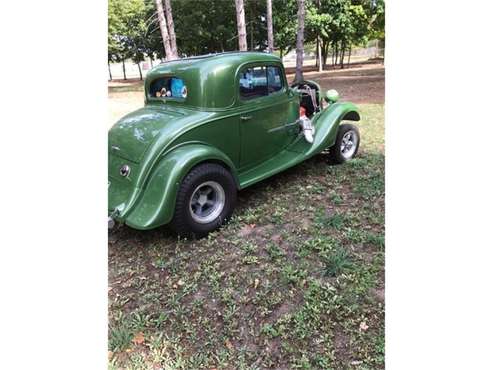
[111, 222]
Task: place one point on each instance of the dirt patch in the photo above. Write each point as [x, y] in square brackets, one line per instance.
[365, 84]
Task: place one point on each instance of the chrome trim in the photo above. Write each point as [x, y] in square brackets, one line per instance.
[283, 126]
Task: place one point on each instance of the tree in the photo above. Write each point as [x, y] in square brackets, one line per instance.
[240, 20]
[284, 22]
[126, 32]
[214, 26]
[270, 33]
[338, 25]
[115, 28]
[171, 28]
[300, 41]
[164, 30]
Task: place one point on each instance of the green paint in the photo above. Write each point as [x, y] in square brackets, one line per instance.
[162, 141]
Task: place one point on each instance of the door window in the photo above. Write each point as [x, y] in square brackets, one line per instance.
[274, 80]
[260, 81]
[253, 82]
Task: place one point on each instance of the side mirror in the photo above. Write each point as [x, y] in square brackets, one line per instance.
[331, 96]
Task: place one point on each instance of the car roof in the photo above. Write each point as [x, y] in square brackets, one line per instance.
[224, 57]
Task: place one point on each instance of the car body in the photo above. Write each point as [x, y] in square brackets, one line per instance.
[234, 110]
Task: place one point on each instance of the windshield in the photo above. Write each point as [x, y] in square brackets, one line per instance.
[168, 87]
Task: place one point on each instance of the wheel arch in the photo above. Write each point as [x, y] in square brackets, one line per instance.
[327, 123]
[156, 204]
[351, 115]
[223, 164]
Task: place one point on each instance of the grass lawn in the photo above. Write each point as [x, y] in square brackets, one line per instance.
[295, 280]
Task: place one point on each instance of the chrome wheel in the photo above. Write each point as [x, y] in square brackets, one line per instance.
[207, 202]
[349, 144]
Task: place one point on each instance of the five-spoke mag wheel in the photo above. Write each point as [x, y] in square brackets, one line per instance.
[205, 200]
[347, 143]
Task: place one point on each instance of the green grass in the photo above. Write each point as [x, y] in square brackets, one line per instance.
[337, 262]
[286, 284]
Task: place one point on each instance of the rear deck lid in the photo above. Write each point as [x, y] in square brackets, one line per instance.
[130, 137]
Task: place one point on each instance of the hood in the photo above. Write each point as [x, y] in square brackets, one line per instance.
[130, 137]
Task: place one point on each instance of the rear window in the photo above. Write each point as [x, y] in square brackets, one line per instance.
[168, 87]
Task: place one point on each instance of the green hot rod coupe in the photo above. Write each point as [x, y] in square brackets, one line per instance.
[213, 125]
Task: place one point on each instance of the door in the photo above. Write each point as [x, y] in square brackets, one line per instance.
[264, 113]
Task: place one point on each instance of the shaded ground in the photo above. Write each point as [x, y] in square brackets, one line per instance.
[295, 280]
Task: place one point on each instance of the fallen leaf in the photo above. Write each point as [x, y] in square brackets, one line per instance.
[138, 338]
[356, 362]
[110, 355]
[363, 326]
[228, 344]
[180, 282]
[255, 285]
[246, 230]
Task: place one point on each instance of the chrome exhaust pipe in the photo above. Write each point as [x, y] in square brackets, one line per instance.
[307, 128]
[111, 223]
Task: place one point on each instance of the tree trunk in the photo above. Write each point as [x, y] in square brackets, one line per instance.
[124, 71]
[171, 28]
[300, 41]
[164, 30]
[270, 32]
[251, 35]
[109, 70]
[343, 48]
[334, 55]
[349, 56]
[140, 71]
[325, 52]
[240, 22]
[151, 62]
[319, 45]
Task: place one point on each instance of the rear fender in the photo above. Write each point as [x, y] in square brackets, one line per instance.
[327, 124]
[156, 205]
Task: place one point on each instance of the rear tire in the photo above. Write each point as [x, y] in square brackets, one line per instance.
[346, 145]
[205, 201]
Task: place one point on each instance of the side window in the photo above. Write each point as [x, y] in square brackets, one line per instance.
[274, 80]
[260, 81]
[253, 82]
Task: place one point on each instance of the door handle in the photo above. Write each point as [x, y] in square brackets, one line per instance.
[245, 118]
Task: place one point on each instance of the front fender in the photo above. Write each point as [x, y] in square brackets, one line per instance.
[156, 205]
[327, 124]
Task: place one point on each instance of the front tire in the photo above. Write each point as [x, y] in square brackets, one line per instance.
[205, 201]
[346, 145]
